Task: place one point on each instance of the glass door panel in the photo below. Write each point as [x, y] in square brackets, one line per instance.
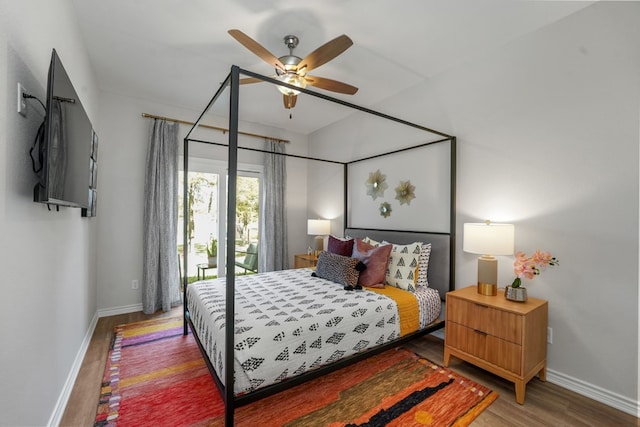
[207, 189]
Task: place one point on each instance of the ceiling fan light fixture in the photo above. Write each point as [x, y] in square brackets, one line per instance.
[292, 79]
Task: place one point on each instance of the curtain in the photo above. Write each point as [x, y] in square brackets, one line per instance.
[272, 249]
[160, 277]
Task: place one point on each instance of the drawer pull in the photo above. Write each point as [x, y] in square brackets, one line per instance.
[481, 305]
[480, 332]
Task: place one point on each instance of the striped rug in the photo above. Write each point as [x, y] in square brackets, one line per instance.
[155, 376]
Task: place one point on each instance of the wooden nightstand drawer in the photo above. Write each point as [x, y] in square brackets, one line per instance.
[466, 339]
[481, 317]
[501, 353]
[504, 354]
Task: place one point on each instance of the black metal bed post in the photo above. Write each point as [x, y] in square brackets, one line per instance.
[185, 231]
[229, 406]
[185, 207]
[452, 212]
[345, 180]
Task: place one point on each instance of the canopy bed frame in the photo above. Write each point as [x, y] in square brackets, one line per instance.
[441, 267]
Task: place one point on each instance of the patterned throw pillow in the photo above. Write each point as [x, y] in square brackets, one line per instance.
[376, 260]
[372, 242]
[423, 264]
[402, 271]
[338, 268]
[339, 246]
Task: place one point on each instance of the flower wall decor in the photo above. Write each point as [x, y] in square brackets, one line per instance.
[376, 184]
[405, 192]
[525, 267]
[385, 209]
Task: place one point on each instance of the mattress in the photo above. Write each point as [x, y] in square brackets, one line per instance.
[288, 322]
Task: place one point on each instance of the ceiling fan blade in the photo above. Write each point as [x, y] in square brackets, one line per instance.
[289, 101]
[249, 80]
[324, 53]
[257, 49]
[332, 85]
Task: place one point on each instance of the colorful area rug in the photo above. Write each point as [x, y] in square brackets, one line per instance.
[155, 376]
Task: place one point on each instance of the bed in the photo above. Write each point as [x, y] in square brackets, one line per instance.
[290, 326]
[291, 322]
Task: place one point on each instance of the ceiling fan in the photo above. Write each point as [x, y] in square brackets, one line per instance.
[293, 70]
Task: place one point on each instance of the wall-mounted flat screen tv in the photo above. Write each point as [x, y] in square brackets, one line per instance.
[66, 147]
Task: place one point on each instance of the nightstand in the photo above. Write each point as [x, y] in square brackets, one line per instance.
[305, 261]
[504, 337]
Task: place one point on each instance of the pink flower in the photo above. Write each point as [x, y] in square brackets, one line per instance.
[528, 267]
[541, 258]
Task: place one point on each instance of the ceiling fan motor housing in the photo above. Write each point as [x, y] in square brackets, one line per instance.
[289, 61]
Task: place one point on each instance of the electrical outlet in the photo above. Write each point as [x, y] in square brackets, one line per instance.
[135, 284]
[22, 102]
[549, 335]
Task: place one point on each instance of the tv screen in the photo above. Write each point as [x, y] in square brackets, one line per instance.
[66, 148]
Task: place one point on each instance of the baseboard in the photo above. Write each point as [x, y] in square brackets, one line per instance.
[594, 392]
[106, 312]
[63, 399]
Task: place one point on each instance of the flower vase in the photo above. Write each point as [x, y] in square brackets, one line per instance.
[518, 294]
[213, 261]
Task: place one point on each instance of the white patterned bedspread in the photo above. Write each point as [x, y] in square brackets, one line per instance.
[288, 322]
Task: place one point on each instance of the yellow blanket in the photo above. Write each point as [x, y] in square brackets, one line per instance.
[407, 307]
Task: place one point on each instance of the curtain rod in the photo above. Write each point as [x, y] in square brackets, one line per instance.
[223, 130]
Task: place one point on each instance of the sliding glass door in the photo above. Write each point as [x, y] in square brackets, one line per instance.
[207, 221]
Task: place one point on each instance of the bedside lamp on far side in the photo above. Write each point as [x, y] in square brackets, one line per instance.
[318, 228]
[488, 239]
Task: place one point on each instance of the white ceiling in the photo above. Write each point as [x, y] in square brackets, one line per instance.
[177, 52]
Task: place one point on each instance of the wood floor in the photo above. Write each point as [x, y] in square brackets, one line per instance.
[546, 404]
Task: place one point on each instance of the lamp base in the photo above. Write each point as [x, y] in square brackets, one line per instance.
[487, 275]
[489, 289]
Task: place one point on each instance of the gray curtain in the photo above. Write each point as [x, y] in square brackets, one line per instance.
[160, 277]
[272, 251]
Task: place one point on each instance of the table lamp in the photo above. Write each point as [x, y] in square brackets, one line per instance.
[488, 239]
[318, 228]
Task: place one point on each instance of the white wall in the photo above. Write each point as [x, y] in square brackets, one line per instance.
[123, 150]
[47, 259]
[548, 139]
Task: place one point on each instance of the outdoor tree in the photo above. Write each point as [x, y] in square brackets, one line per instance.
[201, 191]
[247, 206]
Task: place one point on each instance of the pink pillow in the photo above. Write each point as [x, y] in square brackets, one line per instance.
[339, 246]
[376, 259]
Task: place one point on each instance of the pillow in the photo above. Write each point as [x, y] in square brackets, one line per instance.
[373, 242]
[340, 246]
[403, 266]
[423, 264]
[338, 268]
[376, 259]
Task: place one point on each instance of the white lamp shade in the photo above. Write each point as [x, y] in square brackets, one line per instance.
[488, 238]
[318, 227]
